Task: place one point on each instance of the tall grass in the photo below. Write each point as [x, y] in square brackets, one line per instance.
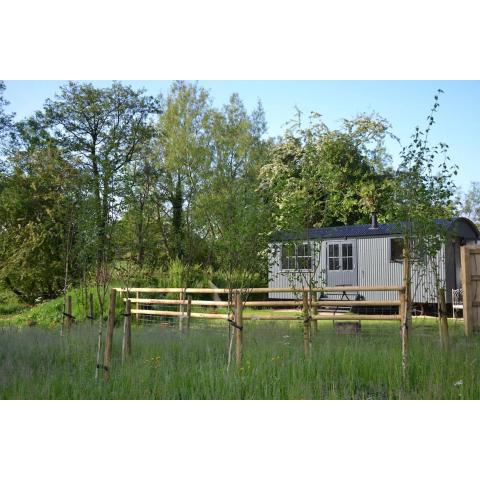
[168, 364]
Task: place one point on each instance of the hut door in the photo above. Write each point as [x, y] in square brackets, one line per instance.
[341, 262]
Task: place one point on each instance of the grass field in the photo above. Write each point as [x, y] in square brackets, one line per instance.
[167, 364]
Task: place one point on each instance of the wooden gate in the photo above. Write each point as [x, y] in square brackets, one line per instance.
[470, 259]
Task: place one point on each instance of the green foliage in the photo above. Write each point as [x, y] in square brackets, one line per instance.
[37, 206]
[182, 158]
[9, 303]
[226, 279]
[179, 275]
[100, 130]
[191, 193]
[322, 177]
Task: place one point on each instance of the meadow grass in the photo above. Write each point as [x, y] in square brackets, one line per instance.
[36, 363]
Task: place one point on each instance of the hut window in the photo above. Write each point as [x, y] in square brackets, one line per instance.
[347, 256]
[296, 256]
[334, 257]
[396, 249]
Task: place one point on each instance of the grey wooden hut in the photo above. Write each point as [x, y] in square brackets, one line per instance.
[366, 255]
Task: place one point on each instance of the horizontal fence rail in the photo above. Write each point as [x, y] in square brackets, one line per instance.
[308, 306]
[349, 288]
[172, 313]
[270, 303]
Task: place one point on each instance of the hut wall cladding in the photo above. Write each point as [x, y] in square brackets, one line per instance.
[374, 268]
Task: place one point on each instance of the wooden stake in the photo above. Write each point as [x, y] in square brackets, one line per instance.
[137, 315]
[407, 283]
[189, 311]
[181, 310]
[306, 326]
[127, 331]
[92, 312]
[404, 333]
[314, 312]
[109, 340]
[442, 316]
[99, 345]
[68, 311]
[238, 328]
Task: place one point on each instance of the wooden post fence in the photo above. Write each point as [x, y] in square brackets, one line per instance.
[127, 331]
[238, 328]
[109, 340]
[309, 304]
[470, 261]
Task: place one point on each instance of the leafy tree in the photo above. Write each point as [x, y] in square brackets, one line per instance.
[229, 208]
[101, 129]
[181, 155]
[423, 192]
[424, 188]
[321, 177]
[140, 227]
[38, 212]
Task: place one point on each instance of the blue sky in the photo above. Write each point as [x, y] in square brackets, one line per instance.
[404, 103]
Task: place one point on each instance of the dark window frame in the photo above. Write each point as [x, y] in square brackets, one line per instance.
[348, 256]
[340, 254]
[398, 250]
[290, 262]
[334, 257]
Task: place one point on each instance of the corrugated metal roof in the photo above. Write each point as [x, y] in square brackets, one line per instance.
[350, 231]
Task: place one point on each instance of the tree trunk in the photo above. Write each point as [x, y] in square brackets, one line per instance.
[141, 235]
[177, 218]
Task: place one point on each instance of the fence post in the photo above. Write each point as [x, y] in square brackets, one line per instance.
[127, 331]
[68, 312]
[465, 266]
[442, 316]
[181, 309]
[189, 310]
[306, 325]
[109, 340]
[137, 307]
[314, 312]
[404, 331]
[92, 312]
[238, 328]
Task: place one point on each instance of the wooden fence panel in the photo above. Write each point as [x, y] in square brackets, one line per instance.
[470, 259]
